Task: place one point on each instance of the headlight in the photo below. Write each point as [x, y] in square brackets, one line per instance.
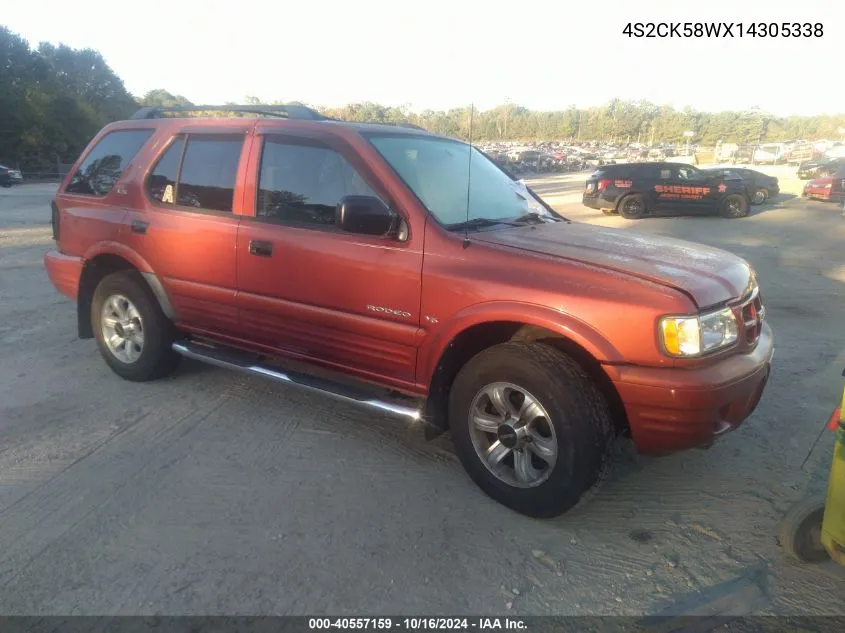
[693, 336]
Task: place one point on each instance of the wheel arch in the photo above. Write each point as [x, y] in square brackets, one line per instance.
[475, 336]
[100, 262]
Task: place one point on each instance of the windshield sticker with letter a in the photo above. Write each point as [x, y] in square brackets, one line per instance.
[167, 196]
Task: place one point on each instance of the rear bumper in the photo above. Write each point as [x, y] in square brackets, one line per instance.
[676, 409]
[598, 202]
[64, 272]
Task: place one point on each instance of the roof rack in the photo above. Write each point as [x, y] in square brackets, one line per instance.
[289, 111]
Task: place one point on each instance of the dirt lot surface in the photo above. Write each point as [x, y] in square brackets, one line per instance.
[214, 493]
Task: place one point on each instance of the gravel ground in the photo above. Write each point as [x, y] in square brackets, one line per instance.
[215, 493]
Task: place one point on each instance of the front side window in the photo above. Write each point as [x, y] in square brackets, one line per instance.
[105, 164]
[209, 169]
[303, 183]
[438, 171]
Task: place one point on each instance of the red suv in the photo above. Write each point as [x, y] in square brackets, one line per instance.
[409, 274]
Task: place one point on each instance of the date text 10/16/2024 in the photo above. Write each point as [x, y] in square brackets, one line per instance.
[417, 624]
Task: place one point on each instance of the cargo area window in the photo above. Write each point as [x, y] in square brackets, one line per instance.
[107, 161]
[302, 184]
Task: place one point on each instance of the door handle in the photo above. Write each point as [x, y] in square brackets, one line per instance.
[260, 249]
[139, 226]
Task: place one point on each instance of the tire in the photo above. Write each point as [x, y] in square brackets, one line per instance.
[760, 196]
[632, 207]
[573, 419]
[734, 206]
[7, 185]
[134, 309]
[800, 531]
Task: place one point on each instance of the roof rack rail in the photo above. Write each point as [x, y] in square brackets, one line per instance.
[288, 111]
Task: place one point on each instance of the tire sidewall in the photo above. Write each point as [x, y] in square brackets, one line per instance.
[576, 467]
[628, 216]
[154, 324]
[729, 214]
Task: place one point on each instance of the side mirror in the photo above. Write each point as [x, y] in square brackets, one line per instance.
[365, 215]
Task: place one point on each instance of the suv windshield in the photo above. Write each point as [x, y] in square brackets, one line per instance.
[436, 170]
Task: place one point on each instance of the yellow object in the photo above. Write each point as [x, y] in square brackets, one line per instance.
[833, 524]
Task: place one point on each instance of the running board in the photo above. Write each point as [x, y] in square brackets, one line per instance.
[247, 363]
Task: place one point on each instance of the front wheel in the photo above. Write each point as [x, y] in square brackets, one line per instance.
[132, 332]
[530, 427]
[734, 206]
[632, 207]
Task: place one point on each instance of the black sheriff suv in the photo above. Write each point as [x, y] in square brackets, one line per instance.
[634, 190]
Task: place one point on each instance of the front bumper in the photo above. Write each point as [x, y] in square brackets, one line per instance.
[676, 409]
[816, 194]
[64, 272]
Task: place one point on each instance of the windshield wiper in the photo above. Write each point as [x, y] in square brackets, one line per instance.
[535, 217]
[478, 223]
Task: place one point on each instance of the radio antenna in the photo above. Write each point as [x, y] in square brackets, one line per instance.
[469, 175]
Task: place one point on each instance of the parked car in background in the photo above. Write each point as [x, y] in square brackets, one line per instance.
[771, 154]
[635, 190]
[830, 188]
[763, 186]
[818, 168]
[9, 176]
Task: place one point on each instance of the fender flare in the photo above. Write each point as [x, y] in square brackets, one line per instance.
[556, 321]
[117, 249]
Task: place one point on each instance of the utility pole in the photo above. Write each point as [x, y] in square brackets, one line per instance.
[579, 125]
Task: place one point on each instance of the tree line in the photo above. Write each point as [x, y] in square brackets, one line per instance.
[53, 99]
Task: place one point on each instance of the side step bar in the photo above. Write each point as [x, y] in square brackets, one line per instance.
[247, 363]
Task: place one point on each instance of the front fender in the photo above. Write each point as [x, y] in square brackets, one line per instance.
[556, 321]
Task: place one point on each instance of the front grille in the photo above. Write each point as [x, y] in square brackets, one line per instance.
[752, 314]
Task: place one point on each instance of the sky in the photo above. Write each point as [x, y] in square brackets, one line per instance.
[438, 54]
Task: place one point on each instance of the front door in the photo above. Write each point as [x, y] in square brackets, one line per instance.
[349, 302]
[683, 189]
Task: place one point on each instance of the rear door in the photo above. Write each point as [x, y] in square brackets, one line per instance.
[186, 221]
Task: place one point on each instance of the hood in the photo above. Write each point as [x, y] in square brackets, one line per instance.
[819, 182]
[707, 275]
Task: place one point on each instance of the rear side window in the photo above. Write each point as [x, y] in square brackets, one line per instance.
[209, 168]
[198, 172]
[105, 164]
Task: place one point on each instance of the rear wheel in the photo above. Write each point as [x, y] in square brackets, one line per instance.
[760, 196]
[132, 332]
[734, 206]
[632, 207]
[530, 427]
